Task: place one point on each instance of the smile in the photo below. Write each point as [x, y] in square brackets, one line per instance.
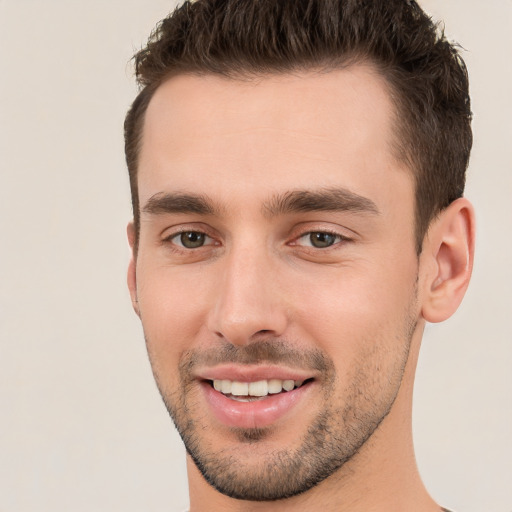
[242, 402]
[249, 391]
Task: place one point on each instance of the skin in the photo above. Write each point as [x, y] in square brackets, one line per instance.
[360, 303]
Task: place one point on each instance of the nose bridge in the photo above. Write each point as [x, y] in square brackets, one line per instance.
[247, 301]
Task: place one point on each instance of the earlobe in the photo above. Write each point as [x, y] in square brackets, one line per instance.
[449, 246]
[132, 268]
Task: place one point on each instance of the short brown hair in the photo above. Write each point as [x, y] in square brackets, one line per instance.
[242, 38]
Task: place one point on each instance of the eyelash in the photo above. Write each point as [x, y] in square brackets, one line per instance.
[338, 239]
[169, 239]
[180, 247]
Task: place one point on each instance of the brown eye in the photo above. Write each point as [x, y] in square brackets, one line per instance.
[191, 239]
[322, 240]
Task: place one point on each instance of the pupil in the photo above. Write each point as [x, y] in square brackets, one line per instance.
[191, 239]
[322, 239]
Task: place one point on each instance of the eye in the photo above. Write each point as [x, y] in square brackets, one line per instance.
[190, 239]
[319, 239]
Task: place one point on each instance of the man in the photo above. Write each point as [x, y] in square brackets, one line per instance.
[297, 171]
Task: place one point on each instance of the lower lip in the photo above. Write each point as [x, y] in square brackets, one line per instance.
[256, 414]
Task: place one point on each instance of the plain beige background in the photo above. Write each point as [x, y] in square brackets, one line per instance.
[82, 426]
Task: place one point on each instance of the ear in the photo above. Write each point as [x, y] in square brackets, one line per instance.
[449, 252]
[132, 268]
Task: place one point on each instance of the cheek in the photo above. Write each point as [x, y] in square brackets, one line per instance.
[355, 310]
[172, 305]
[367, 336]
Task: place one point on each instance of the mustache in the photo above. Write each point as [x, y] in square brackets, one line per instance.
[270, 351]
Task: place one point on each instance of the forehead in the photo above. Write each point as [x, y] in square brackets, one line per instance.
[228, 137]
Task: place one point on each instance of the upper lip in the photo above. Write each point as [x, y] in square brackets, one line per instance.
[251, 373]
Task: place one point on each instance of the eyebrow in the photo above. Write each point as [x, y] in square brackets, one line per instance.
[295, 201]
[329, 199]
[163, 202]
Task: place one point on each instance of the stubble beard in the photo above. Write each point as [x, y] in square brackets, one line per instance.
[332, 439]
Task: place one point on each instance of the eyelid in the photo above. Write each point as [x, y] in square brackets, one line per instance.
[174, 239]
[172, 232]
[340, 238]
[305, 229]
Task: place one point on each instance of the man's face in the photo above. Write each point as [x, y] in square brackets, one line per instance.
[276, 250]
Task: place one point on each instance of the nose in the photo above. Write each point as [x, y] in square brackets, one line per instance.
[248, 303]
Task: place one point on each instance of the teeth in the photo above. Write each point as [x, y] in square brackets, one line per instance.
[258, 388]
[225, 386]
[288, 385]
[275, 386]
[239, 388]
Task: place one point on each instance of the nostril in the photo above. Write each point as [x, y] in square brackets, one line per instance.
[248, 326]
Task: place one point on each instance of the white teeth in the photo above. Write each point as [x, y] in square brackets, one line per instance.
[225, 386]
[239, 388]
[275, 386]
[288, 385]
[257, 389]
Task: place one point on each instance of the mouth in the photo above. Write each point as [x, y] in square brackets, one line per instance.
[255, 401]
[255, 390]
